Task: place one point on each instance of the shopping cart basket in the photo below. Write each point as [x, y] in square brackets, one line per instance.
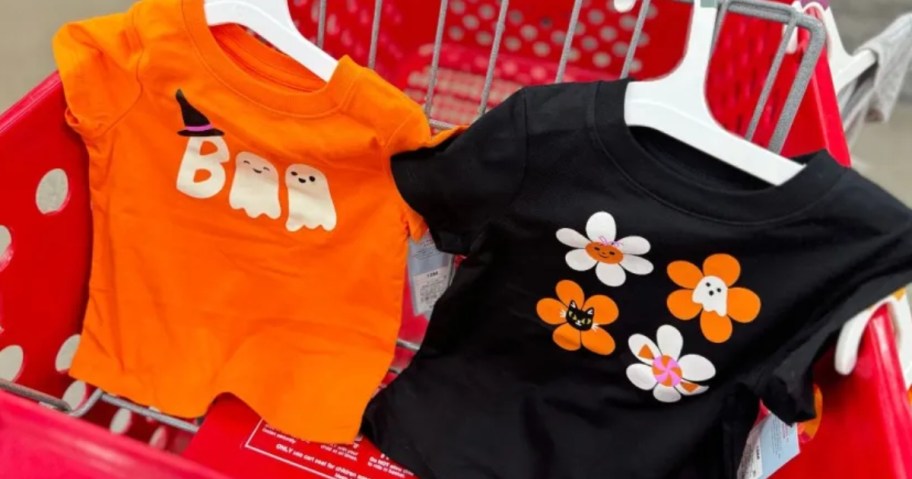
[45, 244]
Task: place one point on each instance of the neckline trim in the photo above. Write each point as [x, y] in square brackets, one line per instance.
[614, 139]
[262, 74]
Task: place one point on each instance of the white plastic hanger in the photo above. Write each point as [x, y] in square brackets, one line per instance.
[271, 19]
[852, 332]
[676, 105]
[845, 68]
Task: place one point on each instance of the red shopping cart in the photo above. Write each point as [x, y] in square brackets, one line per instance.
[45, 249]
[531, 50]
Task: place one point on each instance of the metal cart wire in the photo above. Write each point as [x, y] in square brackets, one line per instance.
[458, 57]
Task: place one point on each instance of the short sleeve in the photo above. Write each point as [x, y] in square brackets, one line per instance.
[786, 387]
[97, 60]
[467, 179]
[415, 133]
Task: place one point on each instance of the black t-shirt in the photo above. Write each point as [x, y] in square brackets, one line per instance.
[626, 301]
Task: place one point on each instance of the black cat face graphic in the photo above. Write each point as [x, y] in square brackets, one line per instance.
[579, 319]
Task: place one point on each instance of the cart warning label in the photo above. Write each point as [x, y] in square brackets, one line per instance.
[360, 460]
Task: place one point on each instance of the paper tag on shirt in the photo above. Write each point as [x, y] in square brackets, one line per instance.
[770, 445]
[429, 274]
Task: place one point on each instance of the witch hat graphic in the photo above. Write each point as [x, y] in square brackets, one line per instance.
[195, 123]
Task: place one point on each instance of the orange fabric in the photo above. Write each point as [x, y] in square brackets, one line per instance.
[249, 237]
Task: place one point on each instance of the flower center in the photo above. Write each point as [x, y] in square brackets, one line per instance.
[667, 371]
[712, 294]
[604, 253]
[579, 319]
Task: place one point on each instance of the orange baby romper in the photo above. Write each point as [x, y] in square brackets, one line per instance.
[248, 235]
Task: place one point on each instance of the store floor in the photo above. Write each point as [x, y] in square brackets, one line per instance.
[26, 27]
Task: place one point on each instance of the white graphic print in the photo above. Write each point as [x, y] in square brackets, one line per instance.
[610, 258]
[310, 203]
[256, 187]
[195, 162]
[663, 370]
[712, 294]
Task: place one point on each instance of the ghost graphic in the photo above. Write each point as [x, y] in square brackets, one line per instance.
[256, 187]
[712, 293]
[309, 201]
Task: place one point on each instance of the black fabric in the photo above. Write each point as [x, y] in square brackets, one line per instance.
[499, 391]
[466, 182]
[786, 387]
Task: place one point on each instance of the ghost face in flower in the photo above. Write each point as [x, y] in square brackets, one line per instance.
[711, 294]
[599, 249]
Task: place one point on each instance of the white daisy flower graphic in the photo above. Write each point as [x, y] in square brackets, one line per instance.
[610, 258]
[663, 370]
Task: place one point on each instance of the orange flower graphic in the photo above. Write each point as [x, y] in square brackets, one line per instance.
[710, 294]
[579, 320]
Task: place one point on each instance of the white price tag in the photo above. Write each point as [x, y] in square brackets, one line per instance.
[752, 459]
[770, 445]
[429, 287]
[429, 274]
